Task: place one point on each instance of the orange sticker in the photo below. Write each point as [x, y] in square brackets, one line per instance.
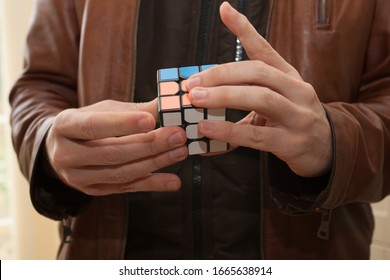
[169, 88]
[185, 100]
[170, 103]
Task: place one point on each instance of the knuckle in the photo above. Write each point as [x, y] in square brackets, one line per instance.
[58, 158]
[86, 126]
[139, 106]
[254, 135]
[258, 65]
[58, 122]
[62, 121]
[119, 176]
[112, 155]
[151, 147]
[215, 72]
[268, 98]
[313, 97]
[157, 163]
[129, 188]
[73, 179]
[226, 94]
[259, 68]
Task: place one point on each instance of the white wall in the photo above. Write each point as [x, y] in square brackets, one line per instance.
[380, 249]
[34, 237]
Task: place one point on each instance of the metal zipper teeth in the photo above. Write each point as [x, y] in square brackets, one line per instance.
[207, 8]
[241, 6]
[197, 207]
[205, 19]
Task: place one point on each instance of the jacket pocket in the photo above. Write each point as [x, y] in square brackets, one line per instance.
[322, 12]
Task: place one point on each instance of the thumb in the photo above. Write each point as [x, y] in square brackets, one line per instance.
[150, 107]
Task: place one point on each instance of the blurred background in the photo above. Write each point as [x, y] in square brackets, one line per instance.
[23, 233]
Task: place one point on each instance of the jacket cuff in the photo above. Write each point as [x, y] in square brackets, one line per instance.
[49, 195]
[294, 194]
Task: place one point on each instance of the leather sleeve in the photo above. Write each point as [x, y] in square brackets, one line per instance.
[360, 125]
[362, 128]
[47, 86]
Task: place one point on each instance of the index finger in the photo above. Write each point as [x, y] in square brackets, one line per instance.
[93, 125]
[256, 47]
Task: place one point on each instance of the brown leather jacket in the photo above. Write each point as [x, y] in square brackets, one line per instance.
[80, 52]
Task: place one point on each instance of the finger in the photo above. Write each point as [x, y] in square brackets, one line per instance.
[121, 150]
[117, 106]
[253, 118]
[256, 47]
[150, 107]
[123, 174]
[263, 101]
[87, 125]
[269, 139]
[248, 73]
[156, 182]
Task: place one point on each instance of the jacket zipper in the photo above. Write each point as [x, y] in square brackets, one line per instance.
[323, 13]
[206, 11]
[205, 20]
[67, 234]
[207, 7]
[241, 6]
[323, 230]
[197, 208]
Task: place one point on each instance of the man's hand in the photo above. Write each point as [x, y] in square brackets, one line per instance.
[286, 119]
[113, 147]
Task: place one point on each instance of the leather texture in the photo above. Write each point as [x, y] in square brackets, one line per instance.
[82, 52]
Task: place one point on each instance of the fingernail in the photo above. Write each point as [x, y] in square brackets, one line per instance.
[206, 125]
[145, 123]
[172, 185]
[198, 93]
[229, 7]
[177, 153]
[192, 82]
[175, 139]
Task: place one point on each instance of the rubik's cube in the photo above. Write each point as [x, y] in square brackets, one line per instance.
[175, 108]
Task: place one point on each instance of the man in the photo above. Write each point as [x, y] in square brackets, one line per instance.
[309, 124]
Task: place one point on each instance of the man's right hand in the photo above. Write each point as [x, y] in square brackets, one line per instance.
[113, 147]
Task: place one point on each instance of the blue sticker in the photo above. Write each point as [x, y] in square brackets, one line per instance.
[168, 74]
[186, 72]
[205, 67]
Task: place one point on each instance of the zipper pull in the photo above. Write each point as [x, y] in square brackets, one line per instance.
[323, 230]
[67, 235]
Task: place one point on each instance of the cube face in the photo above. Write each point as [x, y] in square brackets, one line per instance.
[175, 108]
